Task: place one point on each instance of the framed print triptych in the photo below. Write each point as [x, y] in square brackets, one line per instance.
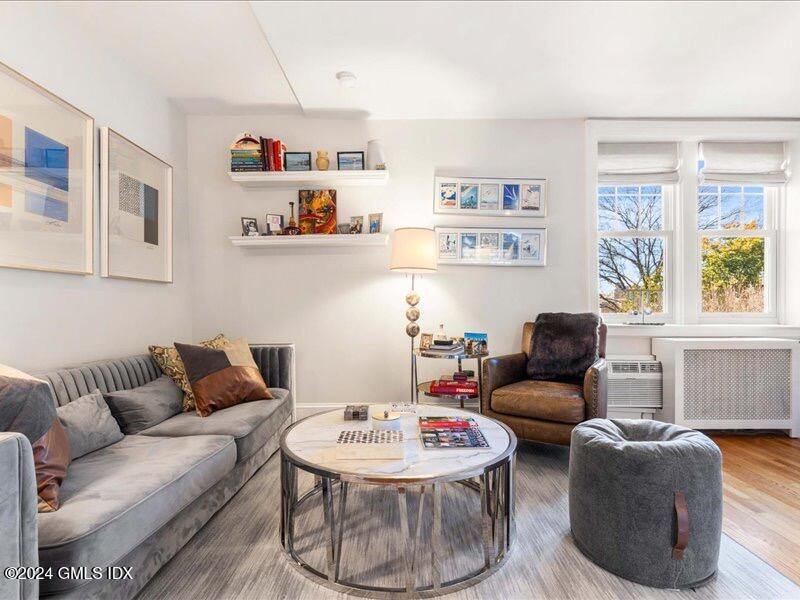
[46, 179]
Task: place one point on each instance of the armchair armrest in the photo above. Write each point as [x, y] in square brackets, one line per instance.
[18, 522]
[595, 390]
[499, 371]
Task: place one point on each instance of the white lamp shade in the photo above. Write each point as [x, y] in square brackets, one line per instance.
[413, 250]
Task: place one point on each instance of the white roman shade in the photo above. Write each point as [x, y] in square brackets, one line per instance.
[638, 162]
[757, 162]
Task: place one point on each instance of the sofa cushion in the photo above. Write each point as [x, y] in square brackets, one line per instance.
[116, 497]
[146, 405]
[89, 424]
[251, 424]
[545, 400]
[170, 363]
[224, 377]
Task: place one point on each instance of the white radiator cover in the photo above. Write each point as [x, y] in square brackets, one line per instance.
[730, 383]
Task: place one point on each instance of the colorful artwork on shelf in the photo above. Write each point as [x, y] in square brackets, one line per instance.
[317, 211]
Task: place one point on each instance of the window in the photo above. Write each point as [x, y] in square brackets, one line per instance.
[689, 231]
[632, 242]
[735, 241]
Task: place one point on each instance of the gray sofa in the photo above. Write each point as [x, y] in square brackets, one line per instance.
[135, 503]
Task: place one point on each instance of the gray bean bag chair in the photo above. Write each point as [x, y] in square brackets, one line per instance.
[645, 500]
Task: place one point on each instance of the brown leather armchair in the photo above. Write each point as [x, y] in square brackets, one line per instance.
[542, 411]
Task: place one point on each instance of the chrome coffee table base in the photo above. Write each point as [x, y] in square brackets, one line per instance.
[496, 489]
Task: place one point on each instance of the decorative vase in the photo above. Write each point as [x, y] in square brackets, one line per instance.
[323, 162]
[376, 159]
[292, 228]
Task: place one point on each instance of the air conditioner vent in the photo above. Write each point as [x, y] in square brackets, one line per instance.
[624, 366]
[650, 367]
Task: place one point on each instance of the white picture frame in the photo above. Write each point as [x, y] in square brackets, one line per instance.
[46, 179]
[486, 196]
[135, 211]
[492, 246]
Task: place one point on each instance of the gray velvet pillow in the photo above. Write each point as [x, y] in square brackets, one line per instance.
[145, 406]
[89, 424]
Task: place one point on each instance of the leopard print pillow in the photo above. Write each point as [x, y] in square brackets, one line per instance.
[170, 363]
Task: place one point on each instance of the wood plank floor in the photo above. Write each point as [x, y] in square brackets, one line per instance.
[762, 497]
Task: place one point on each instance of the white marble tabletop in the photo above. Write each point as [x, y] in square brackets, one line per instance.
[312, 442]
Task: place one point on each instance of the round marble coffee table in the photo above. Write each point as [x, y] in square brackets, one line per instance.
[407, 467]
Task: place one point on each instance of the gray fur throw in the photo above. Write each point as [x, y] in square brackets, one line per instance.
[564, 345]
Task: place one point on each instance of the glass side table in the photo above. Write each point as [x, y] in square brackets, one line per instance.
[425, 386]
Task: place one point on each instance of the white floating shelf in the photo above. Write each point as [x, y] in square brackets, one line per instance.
[295, 179]
[313, 240]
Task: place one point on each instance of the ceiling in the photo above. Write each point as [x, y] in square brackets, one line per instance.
[209, 57]
[471, 60]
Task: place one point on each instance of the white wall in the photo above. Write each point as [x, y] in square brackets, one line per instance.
[342, 307]
[49, 319]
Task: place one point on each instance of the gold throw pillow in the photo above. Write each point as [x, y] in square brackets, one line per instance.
[170, 363]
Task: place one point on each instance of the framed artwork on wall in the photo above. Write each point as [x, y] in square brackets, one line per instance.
[46, 179]
[135, 211]
[518, 247]
[479, 196]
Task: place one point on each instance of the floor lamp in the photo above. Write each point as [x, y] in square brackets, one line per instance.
[413, 252]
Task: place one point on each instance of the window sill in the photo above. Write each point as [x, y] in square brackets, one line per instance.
[705, 330]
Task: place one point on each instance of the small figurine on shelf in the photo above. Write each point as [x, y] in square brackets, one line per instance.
[291, 228]
[323, 162]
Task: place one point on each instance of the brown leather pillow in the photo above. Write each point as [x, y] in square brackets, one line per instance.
[51, 459]
[27, 407]
[222, 377]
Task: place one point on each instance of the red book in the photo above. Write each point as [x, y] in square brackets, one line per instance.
[277, 152]
[270, 161]
[453, 388]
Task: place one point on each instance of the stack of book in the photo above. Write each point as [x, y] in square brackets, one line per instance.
[454, 387]
[272, 150]
[246, 155]
[445, 347]
[451, 432]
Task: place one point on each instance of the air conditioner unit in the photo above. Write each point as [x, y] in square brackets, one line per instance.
[634, 385]
[731, 383]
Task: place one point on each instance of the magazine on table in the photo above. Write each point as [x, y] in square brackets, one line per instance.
[451, 432]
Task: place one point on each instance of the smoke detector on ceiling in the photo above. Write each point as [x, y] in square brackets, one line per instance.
[346, 79]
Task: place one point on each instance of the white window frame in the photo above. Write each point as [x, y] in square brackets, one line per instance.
[682, 256]
[666, 233]
[770, 233]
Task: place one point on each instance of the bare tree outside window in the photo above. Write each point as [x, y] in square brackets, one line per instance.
[631, 260]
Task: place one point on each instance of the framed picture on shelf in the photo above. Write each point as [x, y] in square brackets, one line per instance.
[517, 247]
[297, 161]
[350, 161]
[274, 224]
[479, 196]
[375, 222]
[135, 211]
[250, 226]
[356, 225]
[46, 179]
